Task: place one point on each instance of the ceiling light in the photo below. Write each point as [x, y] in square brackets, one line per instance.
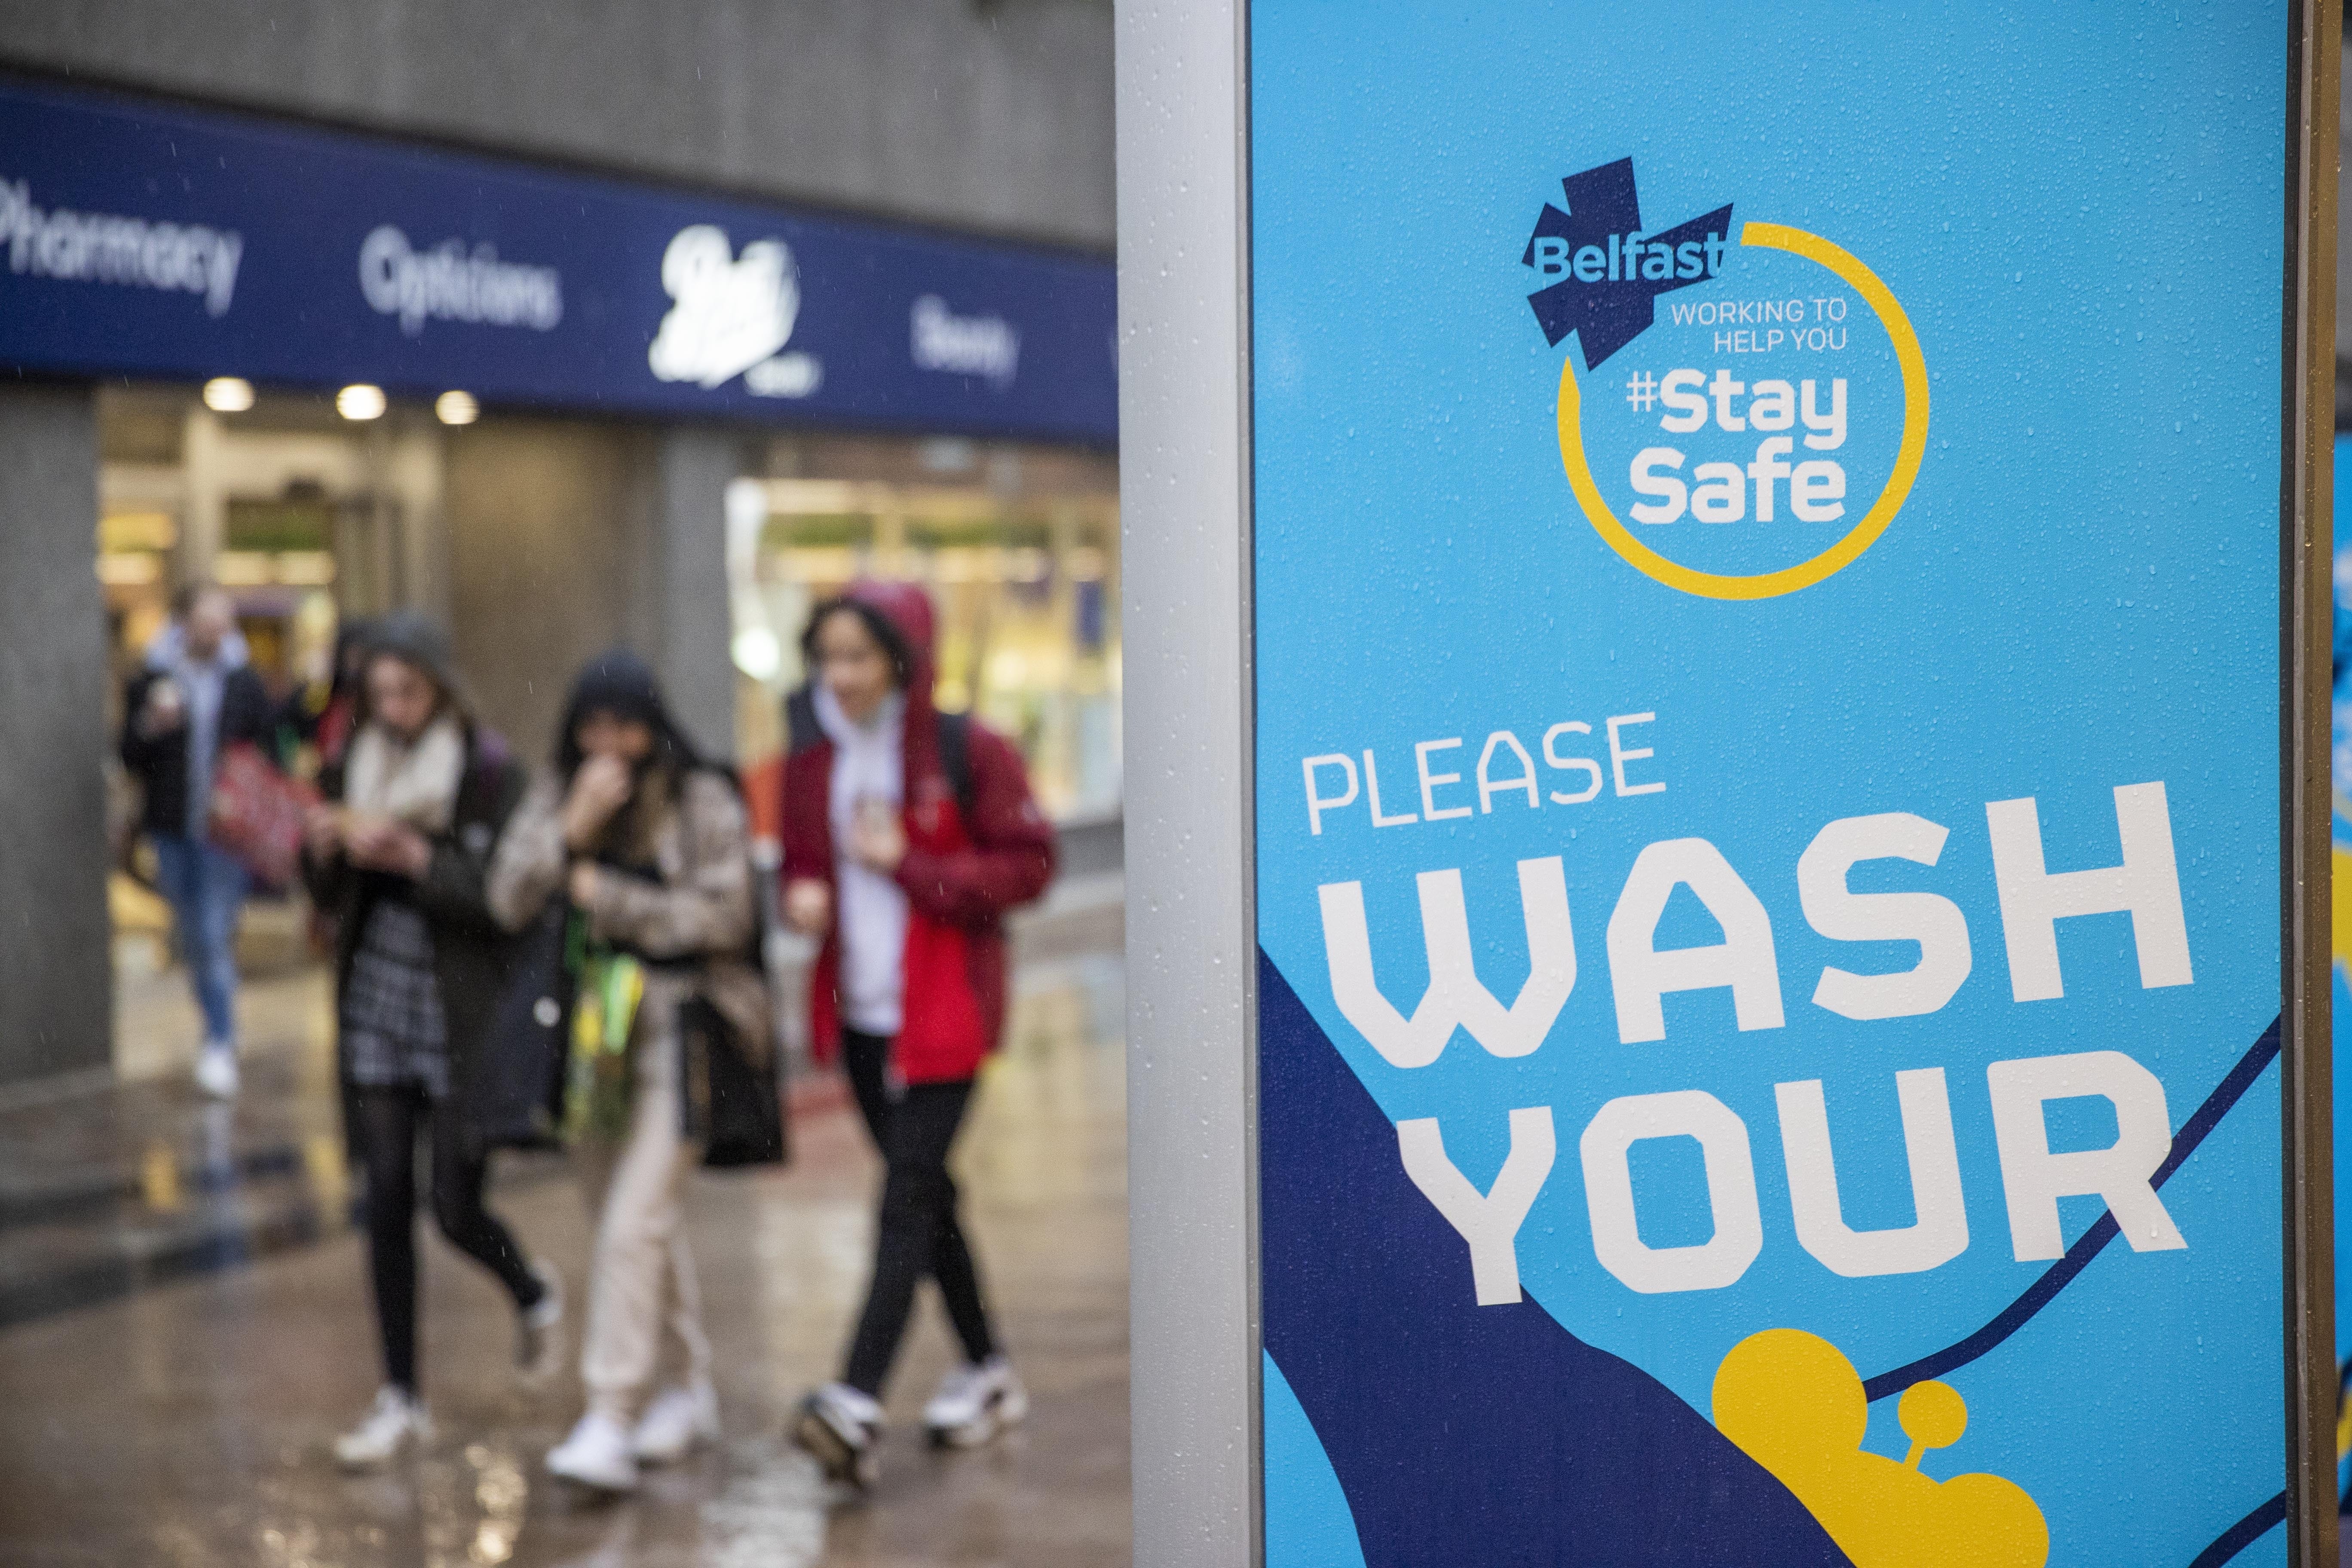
[456, 408]
[359, 401]
[228, 394]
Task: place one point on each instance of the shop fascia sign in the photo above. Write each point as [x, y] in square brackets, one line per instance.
[119, 250]
[732, 313]
[988, 347]
[164, 243]
[452, 281]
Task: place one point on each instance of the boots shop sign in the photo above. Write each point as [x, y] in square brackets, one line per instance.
[143, 240]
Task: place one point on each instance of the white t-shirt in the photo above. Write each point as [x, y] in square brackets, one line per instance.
[868, 764]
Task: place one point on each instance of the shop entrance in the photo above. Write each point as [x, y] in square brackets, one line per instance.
[307, 516]
[1018, 547]
[304, 516]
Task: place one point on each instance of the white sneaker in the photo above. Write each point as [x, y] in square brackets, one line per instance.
[677, 1420]
[596, 1455]
[539, 1329]
[394, 1421]
[975, 1402]
[216, 1071]
[841, 1427]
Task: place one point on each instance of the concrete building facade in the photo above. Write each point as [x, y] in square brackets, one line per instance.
[990, 115]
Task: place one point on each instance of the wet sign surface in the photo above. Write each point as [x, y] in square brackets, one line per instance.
[1767, 574]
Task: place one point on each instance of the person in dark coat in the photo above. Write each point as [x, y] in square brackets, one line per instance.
[401, 854]
[193, 699]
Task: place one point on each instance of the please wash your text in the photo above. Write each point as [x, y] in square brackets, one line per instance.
[2033, 898]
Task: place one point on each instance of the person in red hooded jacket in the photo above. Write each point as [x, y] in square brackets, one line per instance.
[906, 835]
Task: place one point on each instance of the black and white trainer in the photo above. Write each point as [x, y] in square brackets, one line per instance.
[974, 1403]
[842, 1427]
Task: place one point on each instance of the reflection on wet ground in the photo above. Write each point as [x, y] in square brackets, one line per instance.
[190, 1330]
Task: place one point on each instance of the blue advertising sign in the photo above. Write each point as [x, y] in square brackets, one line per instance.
[1768, 697]
[152, 241]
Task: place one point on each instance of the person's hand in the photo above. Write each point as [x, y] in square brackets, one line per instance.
[601, 787]
[585, 883]
[407, 852]
[808, 906]
[381, 843]
[163, 712]
[322, 831]
[361, 831]
[878, 840]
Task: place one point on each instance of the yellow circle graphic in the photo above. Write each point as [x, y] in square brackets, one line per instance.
[1847, 550]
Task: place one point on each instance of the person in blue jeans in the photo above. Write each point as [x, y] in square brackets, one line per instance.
[194, 697]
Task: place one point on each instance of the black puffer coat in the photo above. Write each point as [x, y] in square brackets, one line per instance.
[471, 952]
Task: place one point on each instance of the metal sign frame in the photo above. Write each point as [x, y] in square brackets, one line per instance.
[2306, 511]
[1188, 481]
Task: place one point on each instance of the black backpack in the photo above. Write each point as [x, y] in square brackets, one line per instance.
[955, 759]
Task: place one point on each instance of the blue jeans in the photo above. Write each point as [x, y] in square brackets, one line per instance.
[206, 886]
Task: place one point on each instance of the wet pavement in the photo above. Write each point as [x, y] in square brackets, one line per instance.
[184, 1329]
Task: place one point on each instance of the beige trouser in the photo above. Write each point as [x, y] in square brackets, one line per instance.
[642, 1279]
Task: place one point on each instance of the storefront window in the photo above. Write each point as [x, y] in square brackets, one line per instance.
[1019, 550]
[301, 514]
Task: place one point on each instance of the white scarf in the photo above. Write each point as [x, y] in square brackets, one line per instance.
[868, 764]
[413, 781]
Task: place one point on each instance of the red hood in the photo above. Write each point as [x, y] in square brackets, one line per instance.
[908, 607]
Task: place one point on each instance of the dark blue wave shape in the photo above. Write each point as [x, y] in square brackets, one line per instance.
[2243, 1533]
[2061, 1274]
[1461, 1433]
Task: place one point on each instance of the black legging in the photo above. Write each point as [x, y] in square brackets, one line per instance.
[916, 1232]
[385, 1124]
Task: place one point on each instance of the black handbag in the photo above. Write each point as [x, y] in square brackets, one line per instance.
[739, 1102]
[519, 1086]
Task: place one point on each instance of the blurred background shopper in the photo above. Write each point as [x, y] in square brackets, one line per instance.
[316, 720]
[907, 832]
[650, 846]
[193, 697]
[401, 854]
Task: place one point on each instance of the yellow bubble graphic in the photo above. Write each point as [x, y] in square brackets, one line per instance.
[1793, 1404]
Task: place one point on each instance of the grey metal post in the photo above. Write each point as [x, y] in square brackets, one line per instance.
[1183, 458]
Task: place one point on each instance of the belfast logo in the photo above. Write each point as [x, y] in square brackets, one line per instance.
[730, 315]
[1601, 274]
[1746, 392]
